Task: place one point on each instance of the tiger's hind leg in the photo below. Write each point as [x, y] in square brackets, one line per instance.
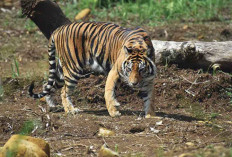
[66, 99]
[58, 83]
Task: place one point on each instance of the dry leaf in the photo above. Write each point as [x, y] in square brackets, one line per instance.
[189, 144]
[185, 27]
[82, 14]
[106, 152]
[186, 155]
[200, 37]
[103, 132]
[150, 116]
[42, 99]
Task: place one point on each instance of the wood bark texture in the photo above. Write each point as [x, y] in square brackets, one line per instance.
[48, 16]
[194, 54]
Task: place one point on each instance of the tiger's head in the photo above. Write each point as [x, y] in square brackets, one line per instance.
[138, 68]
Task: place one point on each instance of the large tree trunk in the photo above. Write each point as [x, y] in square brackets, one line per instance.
[48, 16]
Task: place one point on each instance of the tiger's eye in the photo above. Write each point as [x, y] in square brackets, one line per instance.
[128, 69]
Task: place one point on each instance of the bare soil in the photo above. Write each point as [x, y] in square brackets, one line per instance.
[193, 107]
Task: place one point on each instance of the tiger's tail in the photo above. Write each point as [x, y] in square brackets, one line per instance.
[52, 73]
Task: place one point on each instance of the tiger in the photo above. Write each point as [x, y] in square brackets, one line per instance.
[84, 48]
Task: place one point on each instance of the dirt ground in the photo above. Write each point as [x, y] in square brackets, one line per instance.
[193, 107]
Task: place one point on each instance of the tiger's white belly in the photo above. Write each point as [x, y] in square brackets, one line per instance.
[95, 67]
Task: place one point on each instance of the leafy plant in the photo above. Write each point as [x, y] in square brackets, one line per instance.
[27, 128]
[229, 93]
[230, 152]
[29, 25]
[15, 68]
[116, 148]
[213, 115]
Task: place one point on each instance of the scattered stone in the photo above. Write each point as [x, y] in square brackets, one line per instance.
[154, 130]
[25, 146]
[159, 123]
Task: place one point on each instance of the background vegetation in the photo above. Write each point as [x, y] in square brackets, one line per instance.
[150, 12]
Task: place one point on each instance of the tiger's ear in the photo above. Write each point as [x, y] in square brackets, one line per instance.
[127, 50]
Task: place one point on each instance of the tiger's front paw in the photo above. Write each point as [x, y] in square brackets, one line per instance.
[116, 104]
[75, 111]
[115, 113]
[112, 109]
[72, 110]
[150, 114]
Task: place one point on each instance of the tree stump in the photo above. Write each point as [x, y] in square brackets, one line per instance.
[46, 14]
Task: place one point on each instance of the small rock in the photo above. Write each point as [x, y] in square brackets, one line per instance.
[159, 123]
[25, 146]
[154, 130]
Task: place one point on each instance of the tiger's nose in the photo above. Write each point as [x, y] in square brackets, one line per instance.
[134, 83]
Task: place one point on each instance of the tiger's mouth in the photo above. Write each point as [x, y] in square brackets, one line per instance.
[137, 86]
[134, 85]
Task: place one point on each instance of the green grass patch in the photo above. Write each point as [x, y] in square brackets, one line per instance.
[197, 110]
[149, 12]
[7, 51]
[30, 26]
[214, 151]
[27, 128]
[15, 68]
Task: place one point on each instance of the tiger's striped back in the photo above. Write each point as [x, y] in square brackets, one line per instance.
[93, 44]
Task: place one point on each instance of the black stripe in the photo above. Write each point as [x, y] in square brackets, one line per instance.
[83, 42]
[69, 80]
[142, 94]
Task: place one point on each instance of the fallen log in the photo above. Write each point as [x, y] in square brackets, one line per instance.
[194, 54]
[48, 16]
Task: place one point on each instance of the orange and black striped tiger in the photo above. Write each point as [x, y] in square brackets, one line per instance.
[85, 47]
